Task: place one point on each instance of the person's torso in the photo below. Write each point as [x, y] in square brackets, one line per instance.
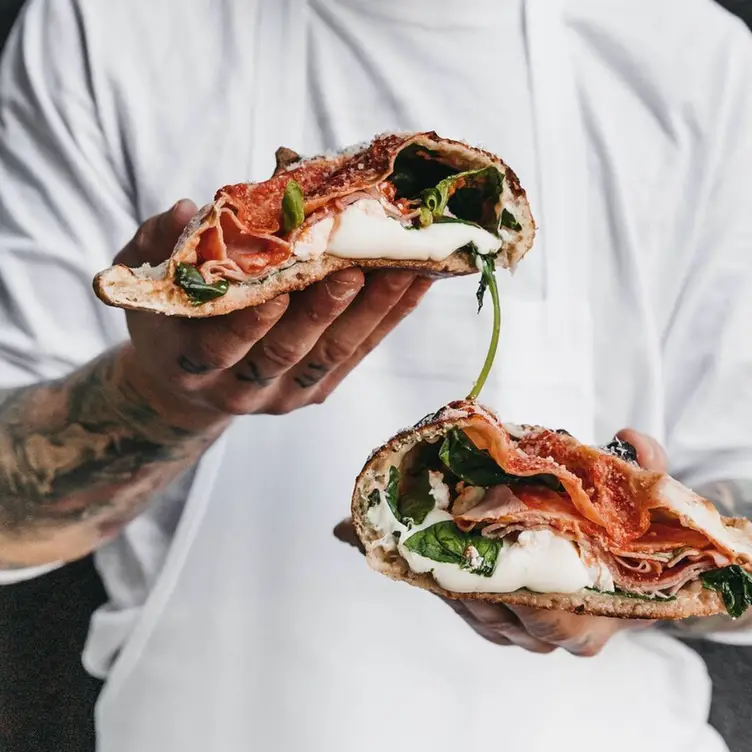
[261, 630]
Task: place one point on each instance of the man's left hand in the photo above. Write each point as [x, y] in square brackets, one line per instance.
[540, 630]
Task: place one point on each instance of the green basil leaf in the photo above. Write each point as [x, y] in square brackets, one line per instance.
[478, 468]
[508, 220]
[735, 586]
[293, 214]
[189, 279]
[416, 502]
[445, 542]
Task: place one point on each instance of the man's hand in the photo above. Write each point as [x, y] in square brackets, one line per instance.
[287, 353]
[539, 630]
[82, 456]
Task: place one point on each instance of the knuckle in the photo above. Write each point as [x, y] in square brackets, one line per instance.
[320, 397]
[281, 353]
[184, 382]
[588, 651]
[143, 238]
[214, 358]
[272, 309]
[317, 314]
[335, 351]
[236, 403]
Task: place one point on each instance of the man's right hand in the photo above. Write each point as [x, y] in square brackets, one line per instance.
[287, 353]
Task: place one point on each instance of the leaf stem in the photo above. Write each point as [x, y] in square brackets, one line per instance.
[490, 277]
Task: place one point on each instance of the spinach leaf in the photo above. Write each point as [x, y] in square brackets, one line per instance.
[488, 269]
[621, 449]
[189, 279]
[735, 586]
[472, 196]
[374, 498]
[412, 506]
[445, 542]
[416, 501]
[415, 169]
[293, 214]
[478, 468]
[469, 463]
[508, 220]
[423, 457]
[488, 550]
[391, 491]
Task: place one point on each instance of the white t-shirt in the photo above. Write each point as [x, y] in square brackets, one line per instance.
[633, 309]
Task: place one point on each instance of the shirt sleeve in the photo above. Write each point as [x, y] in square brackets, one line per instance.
[65, 208]
[707, 343]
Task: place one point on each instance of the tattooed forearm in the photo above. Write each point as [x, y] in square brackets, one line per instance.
[80, 453]
[732, 498]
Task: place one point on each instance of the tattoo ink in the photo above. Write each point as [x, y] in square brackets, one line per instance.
[254, 376]
[193, 368]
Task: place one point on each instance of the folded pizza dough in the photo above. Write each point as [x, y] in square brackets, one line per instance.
[468, 507]
[412, 201]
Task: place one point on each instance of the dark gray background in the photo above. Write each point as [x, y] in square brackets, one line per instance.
[46, 699]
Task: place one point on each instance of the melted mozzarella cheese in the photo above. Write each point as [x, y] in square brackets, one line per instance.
[364, 231]
[538, 560]
[439, 490]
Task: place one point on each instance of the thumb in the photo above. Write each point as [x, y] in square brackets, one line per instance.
[650, 454]
[156, 238]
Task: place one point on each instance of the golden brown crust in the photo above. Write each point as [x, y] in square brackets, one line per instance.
[124, 288]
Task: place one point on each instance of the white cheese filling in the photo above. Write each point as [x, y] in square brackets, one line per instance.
[538, 560]
[365, 230]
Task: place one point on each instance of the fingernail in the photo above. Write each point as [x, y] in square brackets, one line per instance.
[343, 288]
[184, 210]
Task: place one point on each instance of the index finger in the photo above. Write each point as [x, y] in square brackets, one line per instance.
[579, 634]
[156, 237]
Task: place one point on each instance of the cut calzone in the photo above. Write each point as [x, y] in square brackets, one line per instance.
[414, 201]
[468, 507]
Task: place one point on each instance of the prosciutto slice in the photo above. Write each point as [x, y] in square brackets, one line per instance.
[653, 534]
